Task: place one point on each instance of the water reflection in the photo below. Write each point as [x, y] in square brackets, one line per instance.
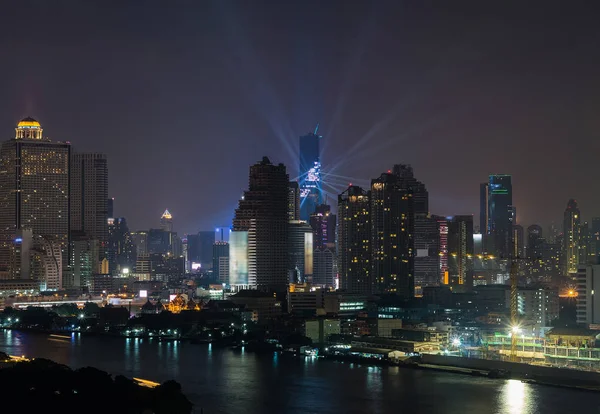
[514, 397]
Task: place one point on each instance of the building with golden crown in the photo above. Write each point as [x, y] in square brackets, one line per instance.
[34, 192]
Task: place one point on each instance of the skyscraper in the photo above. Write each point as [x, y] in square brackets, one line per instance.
[427, 251]
[300, 251]
[571, 234]
[392, 228]
[484, 210]
[34, 190]
[294, 201]
[584, 243]
[309, 175]
[89, 197]
[460, 249]
[499, 216]
[517, 240]
[262, 214]
[354, 240]
[166, 221]
[595, 241]
[121, 248]
[535, 242]
[200, 248]
[323, 224]
[221, 261]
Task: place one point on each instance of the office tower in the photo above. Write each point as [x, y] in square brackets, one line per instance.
[20, 252]
[84, 260]
[34, 190]
[140, 242]
[121, 248]
[89, 196]
[110, 208]
[46, 262]
[499, 216]
[407, 181]
[238, 259]
[595, 241]
[484, 210]
[221, 261]
[324, 268]
[427, 252]
[571, 235]
[588, 301]
[354, 241]
[294, 201]
[584, 243]
[444, 276]
[535, 242]
[323, 224]
[392, 227]
[300, 252]
[200, 248]
[517, 241]
[166, 221]
[309, 175]
[262, 213]
[159, 241]
[461, 250]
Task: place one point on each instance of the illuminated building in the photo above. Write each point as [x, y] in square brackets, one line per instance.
[443, 228]
[588, 298]
[262, 213]
[595, 241]
[300, 251]
[140, 241]
[84, 261]
[34, 190]
[166, 221]
[407, 181]
[427, 251]
[221, 261]
[294, 201]
[392, 214]
[518, 242]
[324, 268]
[535, 242]
[120, 246]
[323, 224]
[238, 259]
[460, 250]
[110, 208]
[200, 248]
[538, 306]
[572, 227]
[484, 210]
[89, 197]
[354, 240]
[46, 263]
[584, 243]
[500, 212]
[310, 174]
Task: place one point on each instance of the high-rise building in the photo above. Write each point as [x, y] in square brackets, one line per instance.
[300, 251]
[34, 191]
[200, 248]
[571, 234]
[84, 261]
[595, 241]
[392, 213]
[584, 243]
[110, 207]
[354, 241]
[427, 252]
[324, 268]
[140, 242]
[166, 221]
[294, 201]
[221, 261]
[535, 242]
[461, 250]
[518, 241]
[309, 176]
[89, 197]
[46, 263]
[263, 214]
[407, 181]
[588, 302]
[484, 211]
[323, 223]
[120, 246]
[498, 236]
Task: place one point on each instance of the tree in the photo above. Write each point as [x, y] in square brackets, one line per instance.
[91, 309]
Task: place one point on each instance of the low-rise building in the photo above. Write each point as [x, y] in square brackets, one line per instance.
[319, 330]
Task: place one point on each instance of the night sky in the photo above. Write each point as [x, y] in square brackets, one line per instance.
[183, 97]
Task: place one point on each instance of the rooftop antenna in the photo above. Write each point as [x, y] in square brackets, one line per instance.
[317, 128]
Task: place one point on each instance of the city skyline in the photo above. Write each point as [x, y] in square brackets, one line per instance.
[457, 110]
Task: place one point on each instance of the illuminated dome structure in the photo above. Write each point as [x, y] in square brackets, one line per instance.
[28, 128]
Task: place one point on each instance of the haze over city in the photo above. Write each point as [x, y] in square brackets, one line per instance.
[183, 99]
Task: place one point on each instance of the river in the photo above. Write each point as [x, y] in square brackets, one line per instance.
[232, 382]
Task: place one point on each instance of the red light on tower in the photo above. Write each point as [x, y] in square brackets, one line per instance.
[389, 171]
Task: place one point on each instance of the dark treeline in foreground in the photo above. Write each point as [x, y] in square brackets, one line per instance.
[43, 386]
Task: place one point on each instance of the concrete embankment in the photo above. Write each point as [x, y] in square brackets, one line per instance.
[534, 373]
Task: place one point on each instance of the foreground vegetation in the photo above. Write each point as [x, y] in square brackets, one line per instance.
[42, 385]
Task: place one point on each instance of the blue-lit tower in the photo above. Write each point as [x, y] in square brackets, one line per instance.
[310, 174]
